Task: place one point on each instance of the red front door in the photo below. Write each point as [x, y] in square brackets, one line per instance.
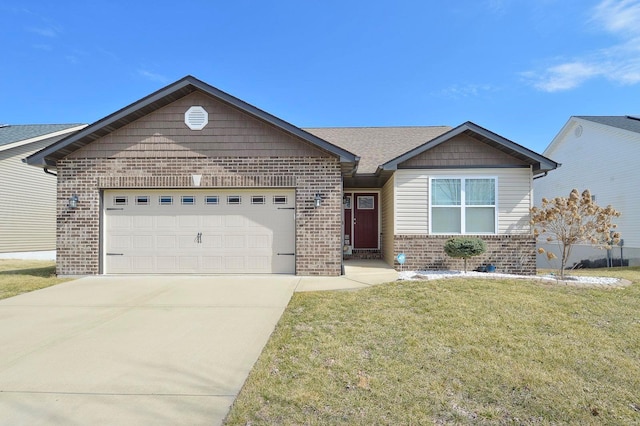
[361, 220]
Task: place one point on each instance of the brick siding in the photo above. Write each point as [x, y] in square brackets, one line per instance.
[512, 254]
[318, 230]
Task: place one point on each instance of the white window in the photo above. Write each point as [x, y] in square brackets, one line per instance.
[257, 199]
[211, 199]
[463, 205]
[120, 200]
[279, 199]
[142, 200]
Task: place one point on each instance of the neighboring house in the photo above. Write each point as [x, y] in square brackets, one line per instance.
[599, 153]
[27, 195]
[193, 180]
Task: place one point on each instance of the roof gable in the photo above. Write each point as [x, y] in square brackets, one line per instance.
[229, 133]
[161, 98]
[539, 163]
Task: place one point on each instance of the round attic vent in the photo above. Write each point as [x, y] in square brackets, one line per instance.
[578, 131]
[196, 118]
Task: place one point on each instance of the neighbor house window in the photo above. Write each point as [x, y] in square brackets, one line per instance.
[463, 206]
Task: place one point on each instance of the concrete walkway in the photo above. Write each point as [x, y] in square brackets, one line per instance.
[358, 274]
[161, 350]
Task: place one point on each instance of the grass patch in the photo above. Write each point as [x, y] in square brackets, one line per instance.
[462, 351]
[22, 276]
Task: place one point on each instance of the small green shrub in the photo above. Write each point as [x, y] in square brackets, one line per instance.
[465, 248]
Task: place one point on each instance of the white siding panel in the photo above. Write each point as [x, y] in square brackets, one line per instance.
[603, 159]
[514, 198]
[27, 202]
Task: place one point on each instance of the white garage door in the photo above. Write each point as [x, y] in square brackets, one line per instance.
[199, 231]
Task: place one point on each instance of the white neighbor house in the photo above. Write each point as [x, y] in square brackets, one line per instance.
[602, 154]
[28, 195]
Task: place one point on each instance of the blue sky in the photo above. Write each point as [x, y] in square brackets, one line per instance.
[520, 68]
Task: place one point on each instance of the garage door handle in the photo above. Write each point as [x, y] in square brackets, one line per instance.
[286, 254]
[286, 208]
[115, 254]
[114, 208]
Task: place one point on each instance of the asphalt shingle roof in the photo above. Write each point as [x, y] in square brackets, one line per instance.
[625, 122]
[19, 132]
[378, 145]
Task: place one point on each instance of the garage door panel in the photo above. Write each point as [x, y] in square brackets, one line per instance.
[211, 222]
[234, 238]
[234, 241]
[143, 242]
[234, 221]
[121, 263]
[188, 241]
[142, 222]
[120, 222]
[166, 222]
[166, 241]
[234, 264]
[212, 264]
[259, 264]
[188, 263]
[185, 222]
[258, 241]
[166, 264]
[119, 242]
[142, 263]
[212, 241]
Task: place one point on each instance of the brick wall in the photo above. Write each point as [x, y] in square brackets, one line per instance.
[512, 254]
[318, 230]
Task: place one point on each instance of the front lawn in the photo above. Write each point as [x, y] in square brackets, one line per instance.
[454, 351]
[21, 276]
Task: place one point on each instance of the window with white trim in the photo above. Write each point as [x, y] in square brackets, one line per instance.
[463, 205]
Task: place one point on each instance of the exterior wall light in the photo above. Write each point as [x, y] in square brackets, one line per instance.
[318, 200]
[73, 202]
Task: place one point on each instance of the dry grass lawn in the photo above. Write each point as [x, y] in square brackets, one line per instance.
[454, 351]
[21, 276]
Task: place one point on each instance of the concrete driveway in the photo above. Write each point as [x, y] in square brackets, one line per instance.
[134, 350]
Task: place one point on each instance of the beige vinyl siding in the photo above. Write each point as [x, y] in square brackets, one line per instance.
[412, 198]
[411, 202]
[27, 202]
[387, 203]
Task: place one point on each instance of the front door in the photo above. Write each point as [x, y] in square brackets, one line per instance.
[361, 220]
